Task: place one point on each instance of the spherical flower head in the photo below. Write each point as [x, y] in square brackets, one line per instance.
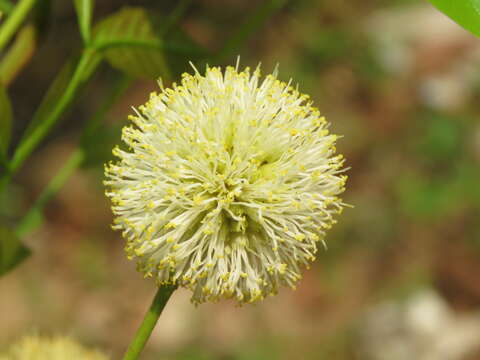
[43, 348]
[228, 184]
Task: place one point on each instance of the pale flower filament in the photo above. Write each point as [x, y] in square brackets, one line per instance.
[227, 186]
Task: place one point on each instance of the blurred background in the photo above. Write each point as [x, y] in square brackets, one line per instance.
[400, 279]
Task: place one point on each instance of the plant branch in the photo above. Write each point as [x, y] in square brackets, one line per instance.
[85, 66]
[149, 321]
[34, 215]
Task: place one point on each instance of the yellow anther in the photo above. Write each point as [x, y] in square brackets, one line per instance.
[300, 237]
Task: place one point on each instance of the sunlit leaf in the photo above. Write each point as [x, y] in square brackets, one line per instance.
[130, 42]
[464, 12]
[12, 251]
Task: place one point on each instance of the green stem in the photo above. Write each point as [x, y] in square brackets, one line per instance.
[149, 321]
[85, 66]
[29, 221]
[34, 215]
[14, 20]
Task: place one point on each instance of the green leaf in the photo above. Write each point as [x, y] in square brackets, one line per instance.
[84, 9]
[5, 121]
[131, 42]
[18, 54]
[464, 12]
[12, 251]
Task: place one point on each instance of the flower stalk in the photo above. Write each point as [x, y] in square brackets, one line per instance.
[149, 321]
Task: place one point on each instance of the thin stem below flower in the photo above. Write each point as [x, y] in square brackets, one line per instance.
[149, 322]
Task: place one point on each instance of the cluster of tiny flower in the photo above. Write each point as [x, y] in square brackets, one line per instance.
[45, 348]
[228, 184]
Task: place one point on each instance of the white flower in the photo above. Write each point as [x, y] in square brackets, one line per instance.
[44, 348]
[228, 184]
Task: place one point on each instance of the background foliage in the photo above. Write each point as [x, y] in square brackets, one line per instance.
[406, 99]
